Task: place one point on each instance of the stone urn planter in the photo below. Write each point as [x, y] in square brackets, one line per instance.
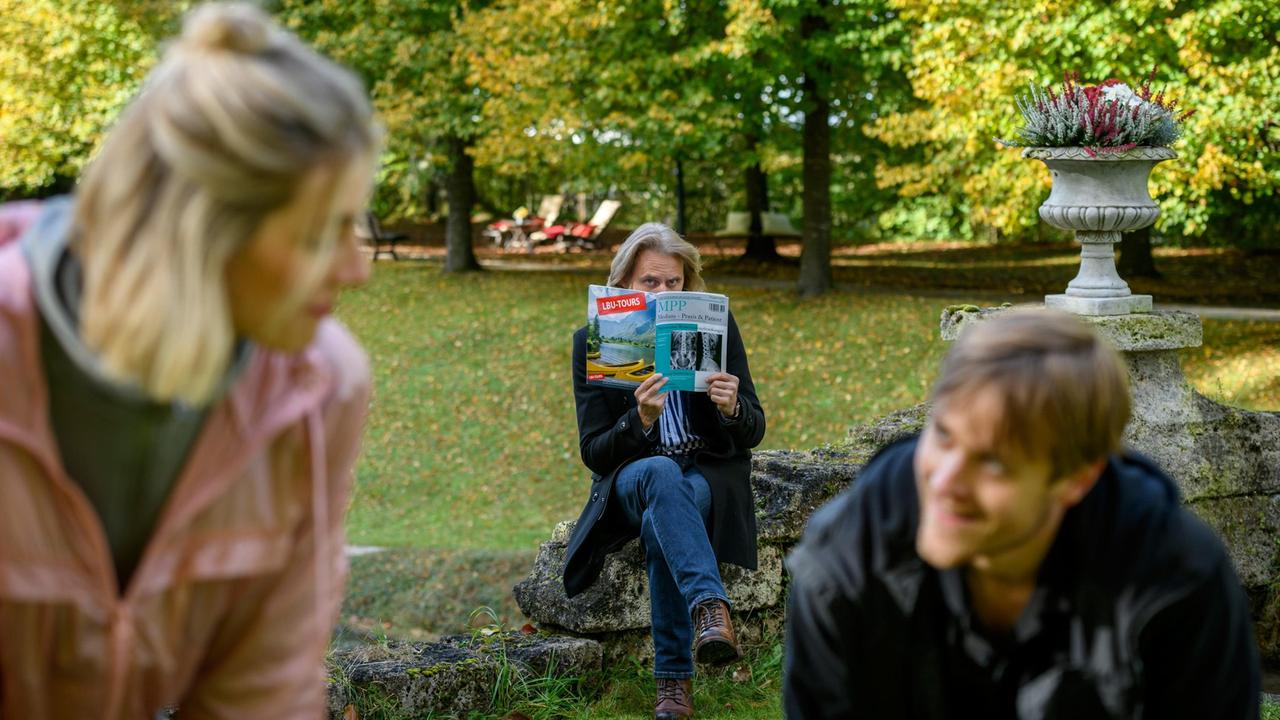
[1099, 197]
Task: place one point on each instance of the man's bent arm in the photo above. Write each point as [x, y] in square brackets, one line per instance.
[1199, 656]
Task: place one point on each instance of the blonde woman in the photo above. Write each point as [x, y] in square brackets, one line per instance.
[180, 416]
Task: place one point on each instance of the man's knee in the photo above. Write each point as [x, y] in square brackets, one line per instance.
[661, 474]
[659, 466]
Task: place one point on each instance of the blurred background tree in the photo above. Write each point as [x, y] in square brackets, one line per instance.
[66, 69]
[415, 62]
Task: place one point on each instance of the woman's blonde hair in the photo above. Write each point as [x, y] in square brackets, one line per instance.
[659, 238]
[226, 129]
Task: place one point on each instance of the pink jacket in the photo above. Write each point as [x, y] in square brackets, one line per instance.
[230, 611]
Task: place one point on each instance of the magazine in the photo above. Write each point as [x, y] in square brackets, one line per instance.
[632, 334]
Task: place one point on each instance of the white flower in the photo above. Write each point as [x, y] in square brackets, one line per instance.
[1121, 93]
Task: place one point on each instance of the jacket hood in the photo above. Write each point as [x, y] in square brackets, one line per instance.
[269, 387]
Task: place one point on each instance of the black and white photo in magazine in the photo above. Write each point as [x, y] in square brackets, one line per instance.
[709, 347]
[684, 350]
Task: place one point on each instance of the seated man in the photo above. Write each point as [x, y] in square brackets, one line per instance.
[1010, 563]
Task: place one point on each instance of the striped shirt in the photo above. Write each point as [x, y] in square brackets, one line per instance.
[675, 437]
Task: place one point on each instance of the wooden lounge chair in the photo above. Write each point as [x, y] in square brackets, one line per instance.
[581, 235]
[515, 232]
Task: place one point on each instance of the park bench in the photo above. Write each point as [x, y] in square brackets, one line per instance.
[369, 230]
[738, 225]
[772, 224]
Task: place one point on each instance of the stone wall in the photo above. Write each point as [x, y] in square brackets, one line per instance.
[451, 678]
[788, 485]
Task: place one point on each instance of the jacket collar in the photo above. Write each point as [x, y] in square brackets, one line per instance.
[55, 283]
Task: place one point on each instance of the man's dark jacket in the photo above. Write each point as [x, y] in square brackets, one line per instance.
[610, 435]
[1137, 613]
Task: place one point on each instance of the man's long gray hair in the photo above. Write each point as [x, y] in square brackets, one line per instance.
[659, 238]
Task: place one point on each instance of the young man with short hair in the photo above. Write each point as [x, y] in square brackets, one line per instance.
[1012, 562]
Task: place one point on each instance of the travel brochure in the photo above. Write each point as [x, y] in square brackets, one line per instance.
[632, 334]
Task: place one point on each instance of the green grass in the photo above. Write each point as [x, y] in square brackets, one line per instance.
[472, 441]
[471, 453]
[420, 594]
[1212, 276]
[751, 690]
[1239, 364]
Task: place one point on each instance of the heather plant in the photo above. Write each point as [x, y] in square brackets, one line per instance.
[1107, 118]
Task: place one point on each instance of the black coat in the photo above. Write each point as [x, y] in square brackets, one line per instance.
[610, 435]
[1137, 613]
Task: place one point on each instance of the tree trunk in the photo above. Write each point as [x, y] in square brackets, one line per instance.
[815, 258]
[680, 223]
[760, 247]
[459, 254]
[433, 197]
[1136, 259]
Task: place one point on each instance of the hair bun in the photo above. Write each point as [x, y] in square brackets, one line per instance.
[235, 27]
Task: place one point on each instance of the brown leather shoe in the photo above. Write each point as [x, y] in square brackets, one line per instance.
[675, 699]
[715, 643]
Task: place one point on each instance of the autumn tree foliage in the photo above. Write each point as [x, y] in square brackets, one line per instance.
[66, 69]
[613, 92]
[686, 110]
[413, 57]
[754, 87]
[969, 58]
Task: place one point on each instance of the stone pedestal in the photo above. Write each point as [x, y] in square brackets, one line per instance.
[1147, 332]
[1225, 460]
[1099, 306]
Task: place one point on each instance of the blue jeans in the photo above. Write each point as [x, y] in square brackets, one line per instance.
[670, 506]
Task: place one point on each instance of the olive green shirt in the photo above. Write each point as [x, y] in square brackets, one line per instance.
[124, 449]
